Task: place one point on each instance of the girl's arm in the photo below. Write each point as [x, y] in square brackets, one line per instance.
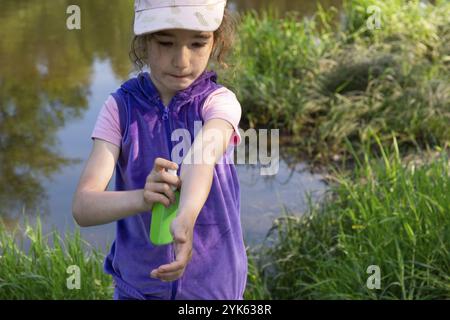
[207, 149]
[196, 179]
[92, 205]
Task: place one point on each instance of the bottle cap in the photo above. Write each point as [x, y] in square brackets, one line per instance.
[173, 172]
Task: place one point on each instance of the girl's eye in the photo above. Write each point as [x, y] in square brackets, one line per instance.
[199, 44]
[165, 43]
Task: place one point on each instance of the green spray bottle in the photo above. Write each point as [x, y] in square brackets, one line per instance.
[162, 218]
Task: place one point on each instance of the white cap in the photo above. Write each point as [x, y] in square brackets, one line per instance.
[156, 15]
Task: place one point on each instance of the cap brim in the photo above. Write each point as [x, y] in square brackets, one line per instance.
[198, 18]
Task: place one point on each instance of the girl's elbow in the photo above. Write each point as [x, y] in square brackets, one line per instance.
[77, 213]
[78, 219]
[80, 222]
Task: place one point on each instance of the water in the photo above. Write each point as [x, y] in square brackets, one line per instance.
[53, 83]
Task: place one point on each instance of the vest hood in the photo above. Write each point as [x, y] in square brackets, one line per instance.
[143, 89]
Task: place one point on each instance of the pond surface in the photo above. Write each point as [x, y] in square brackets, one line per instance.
[53, 83]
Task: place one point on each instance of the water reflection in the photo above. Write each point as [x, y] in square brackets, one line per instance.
[264, 198]
[45, 73]
[52, 84]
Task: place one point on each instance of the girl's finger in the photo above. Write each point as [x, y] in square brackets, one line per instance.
[164, 176]
[156, 197]
[162, 188]
[160, 164]
[169, 279]
[175, 266]
[168, 276]
[170, 179]
[180, 263]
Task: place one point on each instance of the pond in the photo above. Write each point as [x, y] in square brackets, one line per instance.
[53, 83]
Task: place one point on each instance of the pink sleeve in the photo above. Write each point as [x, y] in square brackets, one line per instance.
[107, 126]
[223, 104]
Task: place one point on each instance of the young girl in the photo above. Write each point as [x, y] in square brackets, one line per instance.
[133, 134]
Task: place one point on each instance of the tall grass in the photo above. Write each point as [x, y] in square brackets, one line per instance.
[383, 213]
[257, 287]
[324, 83]
[41, 272]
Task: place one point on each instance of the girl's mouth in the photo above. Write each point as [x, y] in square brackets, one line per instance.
[179, 77]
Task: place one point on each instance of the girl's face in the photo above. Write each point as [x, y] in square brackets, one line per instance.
[176, 58]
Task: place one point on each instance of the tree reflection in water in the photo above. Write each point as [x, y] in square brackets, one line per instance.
[45, 75]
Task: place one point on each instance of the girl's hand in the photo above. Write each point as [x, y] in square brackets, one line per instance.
[182, 229]
[159, 183]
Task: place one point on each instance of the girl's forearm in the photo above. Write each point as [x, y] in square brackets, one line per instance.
[197, 176]
[92, 208]
[197, 180]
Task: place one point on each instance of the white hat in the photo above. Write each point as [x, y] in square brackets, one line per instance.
[156, 15]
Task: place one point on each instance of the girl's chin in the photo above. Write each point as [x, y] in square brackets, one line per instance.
[179, 85]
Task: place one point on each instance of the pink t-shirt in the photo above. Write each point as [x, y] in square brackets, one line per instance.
[220, 104]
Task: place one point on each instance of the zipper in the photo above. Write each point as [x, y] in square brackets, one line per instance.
[166, 120]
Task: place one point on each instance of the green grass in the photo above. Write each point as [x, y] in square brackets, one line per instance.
[384, 213]
[324, 83]
[41, 271]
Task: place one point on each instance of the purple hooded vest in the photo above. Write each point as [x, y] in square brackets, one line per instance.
[218, 268]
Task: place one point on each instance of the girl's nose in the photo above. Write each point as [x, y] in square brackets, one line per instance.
[181, 58]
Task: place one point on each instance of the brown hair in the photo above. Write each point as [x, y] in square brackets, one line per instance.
[223, 42]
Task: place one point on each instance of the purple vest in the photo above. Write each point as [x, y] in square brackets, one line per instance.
[218, 268]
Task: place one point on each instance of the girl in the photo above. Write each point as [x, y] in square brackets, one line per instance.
[133, 134]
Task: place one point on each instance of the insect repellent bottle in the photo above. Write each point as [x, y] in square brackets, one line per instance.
[162, 217]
